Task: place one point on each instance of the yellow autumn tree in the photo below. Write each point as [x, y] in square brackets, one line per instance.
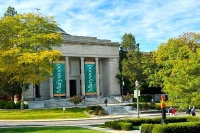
[26, 48]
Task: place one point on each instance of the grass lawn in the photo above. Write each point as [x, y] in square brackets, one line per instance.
[57, 129]
[103, 126]
[36, 114]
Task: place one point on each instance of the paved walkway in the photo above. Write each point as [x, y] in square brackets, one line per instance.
[110, 130]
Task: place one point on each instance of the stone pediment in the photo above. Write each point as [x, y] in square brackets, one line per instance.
[87, 40]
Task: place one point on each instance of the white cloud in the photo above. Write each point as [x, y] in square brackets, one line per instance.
[150, 21]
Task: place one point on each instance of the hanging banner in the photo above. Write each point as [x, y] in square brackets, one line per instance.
[59, 85]
[90, 78]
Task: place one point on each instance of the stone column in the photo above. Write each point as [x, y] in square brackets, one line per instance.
[97, 75]
[114, 87]
[51, 87]
[67, 76]
[82, 76]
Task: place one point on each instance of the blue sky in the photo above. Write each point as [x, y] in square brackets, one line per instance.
[152, 22]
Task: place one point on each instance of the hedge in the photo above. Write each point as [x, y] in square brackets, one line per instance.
[185, 127]
[149, 121]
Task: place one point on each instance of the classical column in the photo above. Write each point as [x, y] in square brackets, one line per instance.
[114, 87]
[82, 76]
[51, 87]
[97, 75]
[67, 76]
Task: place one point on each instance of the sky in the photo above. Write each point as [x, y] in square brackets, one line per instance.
[152, 22]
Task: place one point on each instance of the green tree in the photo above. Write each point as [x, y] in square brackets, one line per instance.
[128, 43]
[132, 68]
[178, 61]
[26, 42]
[10, 11]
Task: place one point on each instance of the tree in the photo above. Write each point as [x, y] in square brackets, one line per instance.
[128, 44]
[26, 42]
[10, 11]
[132, 68]
[179, 68]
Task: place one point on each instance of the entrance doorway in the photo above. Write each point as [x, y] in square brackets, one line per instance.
[72, 88]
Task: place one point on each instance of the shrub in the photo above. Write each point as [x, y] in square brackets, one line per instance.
[94, 113]
[118, 125]
[75, 99]
[94, 110]
[100, 112]
[185, 127]
[147, 128]
[127, 97]
[90, 111]
[125, 126]
[2, 104]
[145, 106]
[157, 107]
[146, 98]
[18, 104]
[9, 105]
[88, 108]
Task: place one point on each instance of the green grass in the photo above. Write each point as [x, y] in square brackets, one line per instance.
[36, 114]
[103, 126]
[57, 129]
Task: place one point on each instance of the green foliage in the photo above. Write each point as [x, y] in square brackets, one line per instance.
[132, 68]
[95, 110]
[177, 128]
[100, 112]
[90, 111]
[18, 105]
[147, 128]
[145, 106]
[127, 97]
[146, 98]
[2, 104]
[177, 69]
[75, 99]
[26, 48]
[10, 11]
[118, 125]
[128, 42]
[9, 105]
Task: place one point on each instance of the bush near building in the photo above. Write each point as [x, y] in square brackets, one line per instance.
[95, 110]
[75, 99]
[11, 105]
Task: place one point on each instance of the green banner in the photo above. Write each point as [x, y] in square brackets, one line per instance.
[90, 79]
[59, 84]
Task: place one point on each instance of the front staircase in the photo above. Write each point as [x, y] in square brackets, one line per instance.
[56, 103]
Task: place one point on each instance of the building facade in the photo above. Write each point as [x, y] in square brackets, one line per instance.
[88, 66]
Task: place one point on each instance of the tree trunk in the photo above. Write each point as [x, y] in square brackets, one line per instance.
[22, 96]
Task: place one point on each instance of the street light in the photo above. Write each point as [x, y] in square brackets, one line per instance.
[136, 85]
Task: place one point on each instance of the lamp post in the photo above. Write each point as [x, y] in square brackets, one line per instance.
[136, 85]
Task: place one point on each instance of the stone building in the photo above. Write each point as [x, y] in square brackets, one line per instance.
[88, 66]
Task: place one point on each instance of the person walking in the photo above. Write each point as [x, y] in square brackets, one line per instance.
[193, 111]
[173, 111]
[106, 101]
[170, 111]
[188, 111]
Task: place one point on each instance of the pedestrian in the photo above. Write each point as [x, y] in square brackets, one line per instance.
[193, 111]
[170, 111]
[106, 101]
[188, 111]
[173, 111]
